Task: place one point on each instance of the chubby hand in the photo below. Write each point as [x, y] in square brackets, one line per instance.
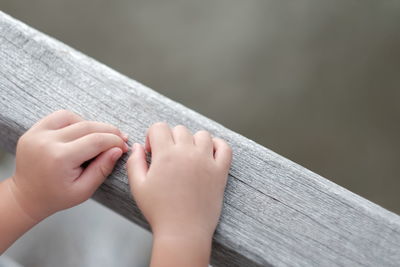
[49, 175]
[181, 193]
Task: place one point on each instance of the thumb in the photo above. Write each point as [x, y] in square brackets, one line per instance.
[97, 171]
[137, 166]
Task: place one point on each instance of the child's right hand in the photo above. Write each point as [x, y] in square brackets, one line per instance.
[49, 176]
[181, 193]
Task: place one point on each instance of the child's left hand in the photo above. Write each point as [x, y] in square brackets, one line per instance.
[49, 175]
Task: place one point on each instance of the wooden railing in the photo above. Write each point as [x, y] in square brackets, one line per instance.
[276, 213]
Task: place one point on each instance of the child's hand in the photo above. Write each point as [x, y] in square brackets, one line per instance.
[49, 176]
[181, 193]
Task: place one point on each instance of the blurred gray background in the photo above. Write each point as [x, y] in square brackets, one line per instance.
[316, 81]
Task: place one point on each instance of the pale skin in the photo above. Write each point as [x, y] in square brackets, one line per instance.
[49, 176]
[180, 193]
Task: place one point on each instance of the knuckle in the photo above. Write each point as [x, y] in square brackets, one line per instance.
[180, 127]
[164, 157]
[203, 133]
[23, 139]
[159, 124]
[228, 148]
[114, 129]
[192, 156]
[223, 145]
[56, 155]
[156, 126]
[104, 124]
[41, 144]
[64, 113]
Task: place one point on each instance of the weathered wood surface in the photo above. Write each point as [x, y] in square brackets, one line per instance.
[276, 213]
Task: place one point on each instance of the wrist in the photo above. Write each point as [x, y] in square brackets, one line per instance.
[184, 237]
[29, 206]
[181, 249]
[14, 222]
[183, 233]
[182, 228]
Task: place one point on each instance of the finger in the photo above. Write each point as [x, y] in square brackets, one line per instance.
[159, 136]
[97, 171]
[137, 166]
[182, 135]
[91, 145]
[203, 140]
[58, 119]
[83, 128]
[222, 152]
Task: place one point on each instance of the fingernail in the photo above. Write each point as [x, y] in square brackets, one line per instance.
[126, 147]
[125, 135]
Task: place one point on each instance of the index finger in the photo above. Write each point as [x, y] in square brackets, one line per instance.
[91, 145]
[57, 120]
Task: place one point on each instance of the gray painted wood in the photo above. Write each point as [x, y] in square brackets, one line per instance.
[276, 213]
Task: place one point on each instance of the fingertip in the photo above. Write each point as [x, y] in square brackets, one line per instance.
[98, 170]
[222, 151]
[137, 165]
[125, 136]
[125, 147]
[116, 153]
[135, 147]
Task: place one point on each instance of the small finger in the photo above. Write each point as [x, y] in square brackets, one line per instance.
[58, 119]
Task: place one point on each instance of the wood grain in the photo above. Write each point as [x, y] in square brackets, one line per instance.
[276, 213]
